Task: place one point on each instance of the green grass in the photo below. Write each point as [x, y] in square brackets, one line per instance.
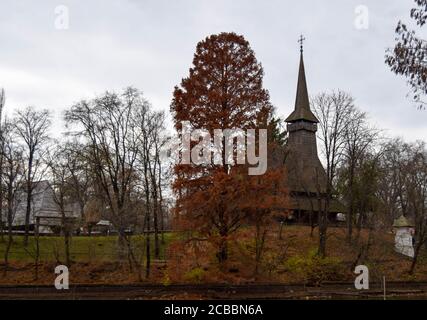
[82, 249]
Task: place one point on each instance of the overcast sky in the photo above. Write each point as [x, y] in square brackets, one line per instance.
[150, 44]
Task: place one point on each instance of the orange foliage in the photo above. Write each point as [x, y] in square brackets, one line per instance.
[223, 91]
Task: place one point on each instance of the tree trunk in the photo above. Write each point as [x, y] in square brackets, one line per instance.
[1, 177]
[29, 199]
[359, 224]
[222, 254]
[37, 253]
[322, 237]
[350, 213]
[259, 245]
[147, 222]
[6, 253]
[1, 203]
[162, 226]
[147, 248]
[418, 246]
[350, 223]
[66, 240]
[9, 240]
[155, 185]
[121, 242]
[312, 224]
[162, 221]
[67, 247]
[156, 228]
[281, 230]
[1, 223]
[323, 227]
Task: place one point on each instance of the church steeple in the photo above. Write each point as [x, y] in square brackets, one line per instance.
[306, 177]
[302, 105]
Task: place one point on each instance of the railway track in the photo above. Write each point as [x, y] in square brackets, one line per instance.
[217, 291]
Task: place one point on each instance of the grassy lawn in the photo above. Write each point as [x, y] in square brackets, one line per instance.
[83, 249]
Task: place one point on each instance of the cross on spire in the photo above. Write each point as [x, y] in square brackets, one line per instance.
[301, 42]
[302, 110]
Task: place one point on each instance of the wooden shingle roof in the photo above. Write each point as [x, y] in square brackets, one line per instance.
[302, 104]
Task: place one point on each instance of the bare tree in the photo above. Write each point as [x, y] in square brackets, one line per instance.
[12, 180]
[2, 102]
[144, 152]
[108, 127]
[359, 139]
[80, 181]
[158, 141]
[32, 127]
[417, 196]
[404, 171]
[333, 112]
[61, 178]
[152, 139]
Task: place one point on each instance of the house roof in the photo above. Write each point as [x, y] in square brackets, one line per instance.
[104, 223]
[43, 205]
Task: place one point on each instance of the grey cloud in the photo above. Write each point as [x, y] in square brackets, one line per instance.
[150, 44]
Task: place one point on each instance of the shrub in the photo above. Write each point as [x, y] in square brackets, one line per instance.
[166, 281]
[314, 270]
[195, 275]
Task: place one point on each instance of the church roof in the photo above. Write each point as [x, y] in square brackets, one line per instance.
[402, 222]
[311, 204]
[302, 104]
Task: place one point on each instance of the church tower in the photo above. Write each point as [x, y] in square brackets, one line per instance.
[302, 123]
[306, 175]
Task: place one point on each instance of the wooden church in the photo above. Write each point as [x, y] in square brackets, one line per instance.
[306, 176]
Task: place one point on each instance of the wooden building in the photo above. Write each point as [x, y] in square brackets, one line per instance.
[306, 176]
[44, 210]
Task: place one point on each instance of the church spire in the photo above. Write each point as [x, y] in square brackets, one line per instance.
[301, 42]
[302, 105]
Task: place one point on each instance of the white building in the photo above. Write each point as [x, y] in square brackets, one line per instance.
[404, 231]
[43, 208]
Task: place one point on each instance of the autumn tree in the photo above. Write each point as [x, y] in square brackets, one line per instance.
[265, 198]
[224, 90]
[409, 56]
